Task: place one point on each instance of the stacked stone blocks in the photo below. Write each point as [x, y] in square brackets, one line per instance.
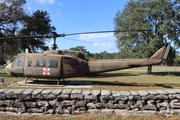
[68, 101]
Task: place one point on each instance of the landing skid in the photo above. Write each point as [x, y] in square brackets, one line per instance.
[38, 80]
[59, 81]
[26, 80]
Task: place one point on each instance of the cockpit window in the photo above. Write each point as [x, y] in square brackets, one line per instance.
[19, 61]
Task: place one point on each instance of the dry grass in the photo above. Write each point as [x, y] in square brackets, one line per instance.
[90, 117]
[136, 79]
[163, 77]
[126, 80]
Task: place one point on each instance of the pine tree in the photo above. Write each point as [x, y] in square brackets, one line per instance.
[161, 17]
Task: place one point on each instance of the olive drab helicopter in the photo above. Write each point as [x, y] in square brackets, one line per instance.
[61, 64]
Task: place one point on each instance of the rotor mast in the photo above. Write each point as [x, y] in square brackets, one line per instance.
[54, 36]
[54, 45]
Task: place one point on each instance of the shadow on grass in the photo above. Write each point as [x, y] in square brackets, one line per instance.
[166, 73]
[100, 75]
[135, 84]
[136, 74]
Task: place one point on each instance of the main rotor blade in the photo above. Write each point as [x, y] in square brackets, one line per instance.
[55, 35]
[19, 37]
[102, 32]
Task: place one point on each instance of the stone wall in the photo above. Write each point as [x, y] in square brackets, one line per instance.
[67, 101]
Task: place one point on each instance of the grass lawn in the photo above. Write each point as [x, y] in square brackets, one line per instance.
[121, 80]
[163, 77]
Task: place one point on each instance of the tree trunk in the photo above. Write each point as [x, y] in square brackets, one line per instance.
[1, 54]
[149, 70]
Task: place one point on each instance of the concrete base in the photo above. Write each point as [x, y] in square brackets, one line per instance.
[53, 83]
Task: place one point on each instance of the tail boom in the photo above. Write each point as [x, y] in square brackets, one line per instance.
[97, 66]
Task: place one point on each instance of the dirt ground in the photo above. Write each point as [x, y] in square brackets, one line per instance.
[90, 117]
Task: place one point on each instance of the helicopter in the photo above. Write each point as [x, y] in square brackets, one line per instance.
[61, 64]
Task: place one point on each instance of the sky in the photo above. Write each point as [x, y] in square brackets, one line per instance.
[72, 16]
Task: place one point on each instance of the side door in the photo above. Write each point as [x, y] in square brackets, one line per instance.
[53, 66]
[46, 67]
[28, 65]
[39, 63]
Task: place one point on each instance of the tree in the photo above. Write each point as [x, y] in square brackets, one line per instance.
[78, 48]
[36, 24]
[14, 21]
[11, 14]
[82, 48]
[106, 55]
[177, 59]
[97, 56]
[161, 17]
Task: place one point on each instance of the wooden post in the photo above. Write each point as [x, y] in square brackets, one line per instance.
[149, 70]
[2, 81]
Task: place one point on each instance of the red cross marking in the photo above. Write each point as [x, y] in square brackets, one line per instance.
[46, 71]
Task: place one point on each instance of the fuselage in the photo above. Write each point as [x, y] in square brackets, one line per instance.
[57, 65]
[50, 66]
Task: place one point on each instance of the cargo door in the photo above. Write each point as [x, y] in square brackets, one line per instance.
[53, 66]
[38, 67]
[46, 67]
[70, 67]
[28, 66]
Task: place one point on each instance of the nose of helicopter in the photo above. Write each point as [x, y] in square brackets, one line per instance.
[8, 68]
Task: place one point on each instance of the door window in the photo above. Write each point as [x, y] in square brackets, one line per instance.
[29, 62]
[52, 63]
[40, 63]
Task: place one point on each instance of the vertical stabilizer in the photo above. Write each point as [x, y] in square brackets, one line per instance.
[161, 53]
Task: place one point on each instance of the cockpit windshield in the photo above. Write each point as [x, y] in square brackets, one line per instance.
[19, 61]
